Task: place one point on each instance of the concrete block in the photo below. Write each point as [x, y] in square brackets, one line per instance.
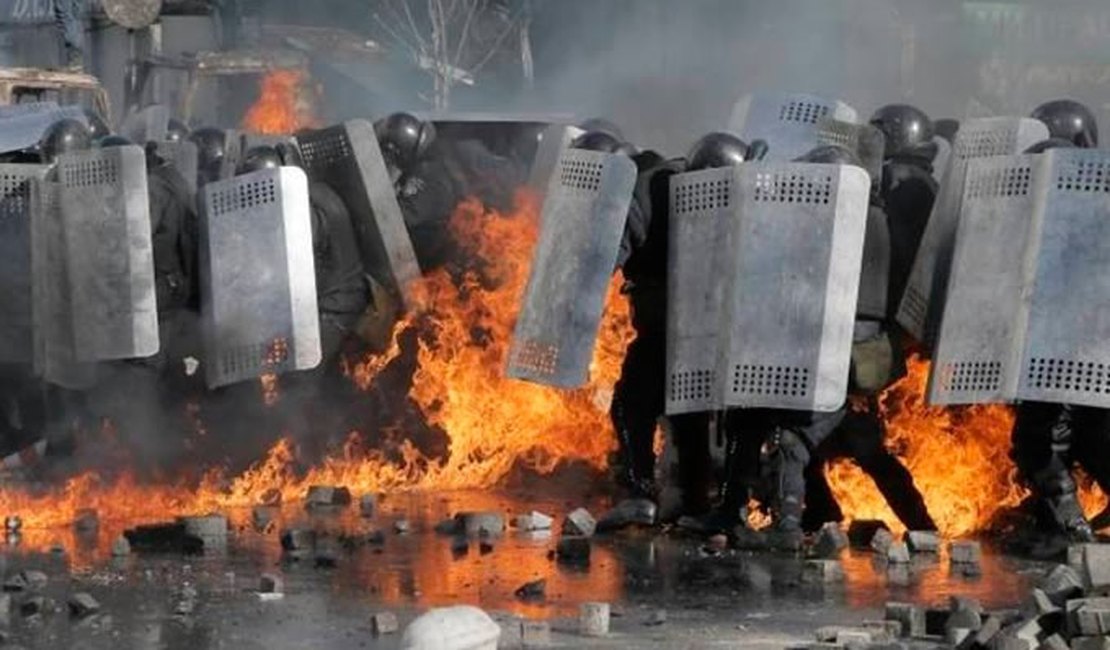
[211, 529]
[1040, 603]
[629, 512]
[327, 496]
[480, 524]
[822, 572]
[898, 553]
[1061, 584]
[593, 619]
[383, 623]
[580, 523]
[992, 625]
[965, 551]
[965, 619]
[831, 542]
[909, 616]
[1092, 622]
[1054, 642]
[573, 551]
[1092, 563]
[922, 541]
[535, 634]
[1090, 643]
[533, 521]
[881, 541]
[1072, 607]
[82, 605]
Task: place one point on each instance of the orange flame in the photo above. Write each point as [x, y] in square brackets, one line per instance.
[284, 105]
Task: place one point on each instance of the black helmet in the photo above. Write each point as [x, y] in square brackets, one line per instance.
[110, 141]
[947, 128]
[719, 149]
[176, 131]
[603, 125]
[211, 149]
[404, 138]
[1069, 120]
[259, 158]
[1051, 143]
[603, 142]
[98, 128]
[830, 154]
[62, 137]
[905, 127]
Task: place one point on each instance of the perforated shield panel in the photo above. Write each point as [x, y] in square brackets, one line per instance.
[106, 220]
[795, 278]
[865, 141]
[789, 123]
[16, 341]
[347, 158]
[553, 142]
[702, 208]
[1066, 357]
[258, 300]
[25, 129]
[982, 324]
[584, 212]
[922, 305]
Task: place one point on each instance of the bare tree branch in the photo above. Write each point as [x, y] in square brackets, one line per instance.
[473, 9]
[497, 43]
[412, 25]
[397, 37]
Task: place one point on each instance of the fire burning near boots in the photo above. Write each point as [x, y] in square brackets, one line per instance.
[356, 330]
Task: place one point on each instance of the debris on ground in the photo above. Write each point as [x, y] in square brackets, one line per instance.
[533, 521]
[830, 543]
[462, 627]
[922, 541]
[383, 623]
[579, 523]
[327, 496]
[82, 605]
[593, 619]
[629, 512]
[535, 634]
[532, 591]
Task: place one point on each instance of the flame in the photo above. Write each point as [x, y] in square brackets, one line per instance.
[959, 459]
[284, 105]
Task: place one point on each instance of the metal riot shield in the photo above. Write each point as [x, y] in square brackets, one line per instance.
[105, 212]
[702, 208]
[553, 142]
[787, 122]
[1066, 356]
[347, 158]
[16, 184]
[55, 356]
[793, 282]
[865, 141]
[258, 282]
[922, 305]
[940, 161]
[183, 156]
[147, 125]
[982, 325]
[584, 213]
[24, 130]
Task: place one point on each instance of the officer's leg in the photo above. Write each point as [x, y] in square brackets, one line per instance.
[821, 506]
[638, 402]
[1042, 440]
[865, 436]
[695, 466]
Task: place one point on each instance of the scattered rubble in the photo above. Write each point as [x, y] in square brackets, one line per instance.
[535, 634]
[383, 623]
[121, 547]
[368, 505]
[831, 542]
[1092, 563]
[327, 496]
[82, 605]
[533, 521]
[593, 619]
[922, 541]
[480, 524]
[402, 526]
[28, 580]
[898, 553]
[452, 628]
[910, 616]
[298, 543]
[881, 541]
[271, 583]
[532, 591]
[629, 512]
[579, 523]
[656, 617]
[1061, 584]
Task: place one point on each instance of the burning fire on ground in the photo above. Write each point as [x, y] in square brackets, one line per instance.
[285, 105]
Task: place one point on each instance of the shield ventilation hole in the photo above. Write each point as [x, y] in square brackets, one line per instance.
[979, 143]
[89, 173]
[243, 195]
[795, 187]
[972, 376]
[801, 111]
[16, 194]
[255, 358]
[581, 174]
[692, 385]
[1003, 182]
[534, 358]
[781, 381]
[704, 195]
[914, 307]
[1085, 176]
[325, 148]
[1068, 375]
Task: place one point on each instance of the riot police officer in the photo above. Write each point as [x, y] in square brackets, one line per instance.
[211, 151]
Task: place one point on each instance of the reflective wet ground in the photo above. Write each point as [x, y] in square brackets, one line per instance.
[731, 600]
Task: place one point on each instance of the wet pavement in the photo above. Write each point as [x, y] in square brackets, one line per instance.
[732, 600]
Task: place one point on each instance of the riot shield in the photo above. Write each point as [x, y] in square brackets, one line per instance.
[147, 125]
[553, 142]
[940, 161]
[1066, 356]
[16, 184]
[922, 305]
[983, 314]
[183, 156]
[703, 205]
[347, 158]
[584, 212]
[865, 141]
[794, 281]
[258, 282]
[24, 130]
[105, 213]
[788, 123]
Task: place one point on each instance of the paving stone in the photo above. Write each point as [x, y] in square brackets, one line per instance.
[383, 623]
[831, 541]
[992, 625]
[1090, 643]
[1072, 607]
[822, 572]
[1061, 584]
[82, 605]
[1054, 642]
[1092, 563]
[965, 619]
[480, 524]
[271, 583]
[965, 603]
[1092, 622]
[629, 512]
[910, 616]
[593, 619]
[965, 552]
[533, 521]
[1041, 603]
[535, 634]
[579, 523]
[898, 553]
[573, 551]
[881, 541]
[922, 541]
[327, 496]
